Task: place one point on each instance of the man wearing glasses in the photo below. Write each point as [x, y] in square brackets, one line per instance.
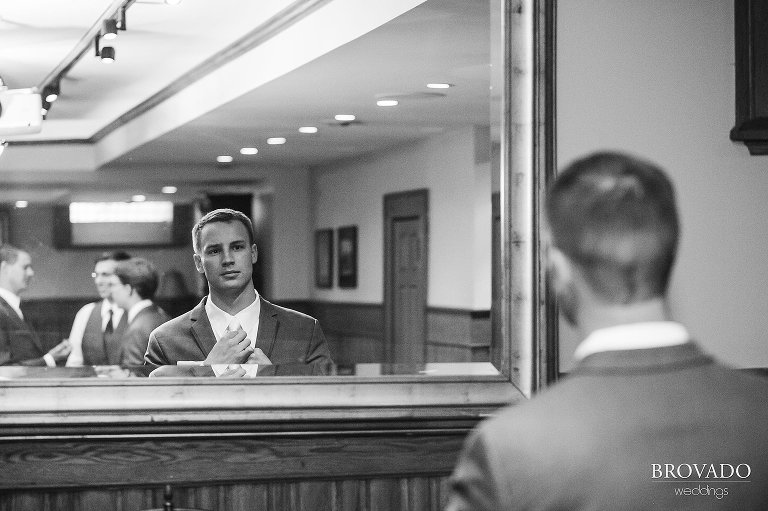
[98, 326]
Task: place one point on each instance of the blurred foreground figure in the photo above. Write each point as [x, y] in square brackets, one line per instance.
[646, 420]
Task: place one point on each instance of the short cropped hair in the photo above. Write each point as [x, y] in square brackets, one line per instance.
[615, 217]
[220, 215]
[9, 253]
[140, 274]
[117, 255]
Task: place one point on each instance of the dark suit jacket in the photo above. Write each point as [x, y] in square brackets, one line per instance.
[591, 441]
[285, 336]
[133, 344]
[19, 344]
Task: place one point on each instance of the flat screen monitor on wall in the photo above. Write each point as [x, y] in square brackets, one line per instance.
[122, 224]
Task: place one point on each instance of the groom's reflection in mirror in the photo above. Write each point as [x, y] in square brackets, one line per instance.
[234, 328]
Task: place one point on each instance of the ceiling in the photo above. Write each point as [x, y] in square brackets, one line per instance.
[201, 79]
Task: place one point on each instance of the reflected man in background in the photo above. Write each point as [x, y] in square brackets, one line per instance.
[19, 343]
[233, 324]
[98, 326]
[133, 288]
[644, 403]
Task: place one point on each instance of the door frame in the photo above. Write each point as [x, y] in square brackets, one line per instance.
[421, 210]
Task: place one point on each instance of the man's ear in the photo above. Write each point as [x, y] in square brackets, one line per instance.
[198, 263]
[254, 254]
[560, 269]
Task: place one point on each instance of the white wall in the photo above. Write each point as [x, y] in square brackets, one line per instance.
[656, 78]
[352, 194]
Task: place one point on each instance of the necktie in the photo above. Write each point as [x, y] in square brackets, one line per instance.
[109, 328]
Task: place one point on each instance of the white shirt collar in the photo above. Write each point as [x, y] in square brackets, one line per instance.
[633, 336]
[117, 314]
[248, 318]
[13, 300]
[138, 307]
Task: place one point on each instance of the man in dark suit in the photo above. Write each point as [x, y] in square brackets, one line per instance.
[19, 344]
[233, 324]
[646, 420]
[133, 287]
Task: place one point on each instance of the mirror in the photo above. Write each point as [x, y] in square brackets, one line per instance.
[387, 285]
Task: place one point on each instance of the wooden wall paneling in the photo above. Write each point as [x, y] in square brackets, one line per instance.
[458, 335]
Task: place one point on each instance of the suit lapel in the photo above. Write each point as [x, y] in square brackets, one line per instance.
[201, 329]
[268, 324]
[21, 325]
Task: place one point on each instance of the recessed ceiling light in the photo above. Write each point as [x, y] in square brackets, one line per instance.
[344, 117]
[439, 85]
[224, 159]
[22, 203]
[249, 150]
[308, 129]
[173, 2]
[276, 140]
[387, 102]
[169, 189]
[139, 198]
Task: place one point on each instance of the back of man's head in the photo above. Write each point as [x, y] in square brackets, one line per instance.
[614, 216]
[140, 274]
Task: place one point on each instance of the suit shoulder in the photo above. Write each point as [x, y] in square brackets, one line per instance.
[172, 326]
[294, 314]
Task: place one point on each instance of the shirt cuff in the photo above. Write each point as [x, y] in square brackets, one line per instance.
[49, 361]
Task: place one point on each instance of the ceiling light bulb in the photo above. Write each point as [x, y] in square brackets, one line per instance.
[22, 203]
[110, 29]
[224, 159]
[387, 102]
[344, 117]
[169, 189]
[308, 129]
[276, 141]
[139, 198]
[439, 85]
[249, 150]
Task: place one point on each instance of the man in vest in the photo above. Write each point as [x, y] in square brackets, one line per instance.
[19, 343]
[98, 326]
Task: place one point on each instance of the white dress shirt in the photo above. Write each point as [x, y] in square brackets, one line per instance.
[136, 308]
[633, 336]
[81, 320]
[221, 322]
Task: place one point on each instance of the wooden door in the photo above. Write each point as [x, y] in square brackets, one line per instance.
[405, 278]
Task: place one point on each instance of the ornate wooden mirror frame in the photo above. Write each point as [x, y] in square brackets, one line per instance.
[139, 406]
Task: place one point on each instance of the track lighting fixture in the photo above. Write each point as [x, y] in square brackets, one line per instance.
[110, 29]
[51, 92]
[107, 53]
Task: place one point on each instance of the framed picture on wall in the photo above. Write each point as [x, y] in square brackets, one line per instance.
[347, 254]
[324, 258]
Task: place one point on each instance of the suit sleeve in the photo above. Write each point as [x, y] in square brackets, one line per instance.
[6, 356]
[318, 352]
[154, 355]
[134, 346]
[471, 487]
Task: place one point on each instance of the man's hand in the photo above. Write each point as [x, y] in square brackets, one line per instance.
[232, 348]
[258, 357]
[234, 371]
[61, 351]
